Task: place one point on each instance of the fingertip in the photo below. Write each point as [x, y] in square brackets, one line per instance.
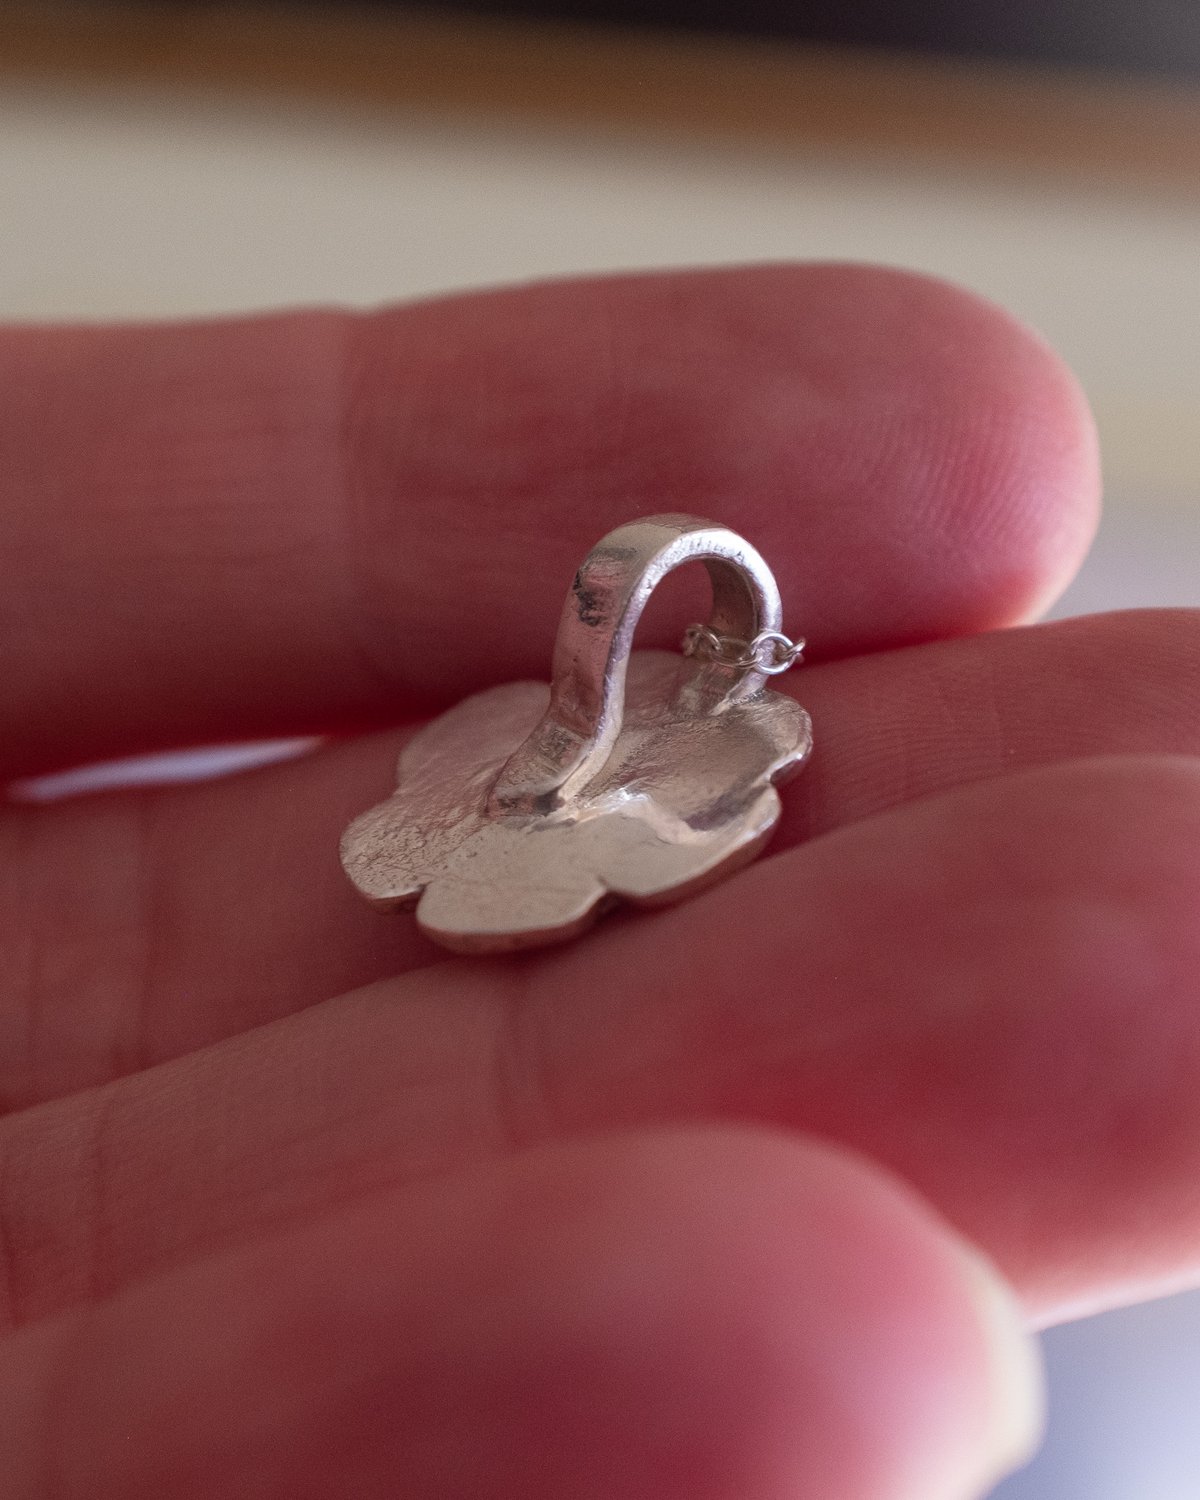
[832, 1335]
[959, 461]
[680, 1315]
[1038, 457]
[890, 1359]
[1017, 1409]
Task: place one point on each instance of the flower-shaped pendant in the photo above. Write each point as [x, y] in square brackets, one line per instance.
[524, 812]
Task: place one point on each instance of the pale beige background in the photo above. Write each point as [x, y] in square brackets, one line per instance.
[134, 201]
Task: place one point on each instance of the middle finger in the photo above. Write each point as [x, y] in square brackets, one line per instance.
[192, 914]
[992, 991]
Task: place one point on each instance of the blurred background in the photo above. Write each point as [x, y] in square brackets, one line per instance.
[161, 159]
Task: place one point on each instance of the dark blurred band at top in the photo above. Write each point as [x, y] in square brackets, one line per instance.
[1145, 36]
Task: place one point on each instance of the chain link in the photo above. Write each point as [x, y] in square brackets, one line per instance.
[770, 651]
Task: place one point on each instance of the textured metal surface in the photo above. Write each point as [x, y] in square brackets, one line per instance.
[525, 811]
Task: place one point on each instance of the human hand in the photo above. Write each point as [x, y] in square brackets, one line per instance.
[679, 1212]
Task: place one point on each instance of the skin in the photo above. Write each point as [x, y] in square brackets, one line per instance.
[714, 1203]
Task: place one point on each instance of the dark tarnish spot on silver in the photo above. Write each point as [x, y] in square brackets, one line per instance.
[587, 603]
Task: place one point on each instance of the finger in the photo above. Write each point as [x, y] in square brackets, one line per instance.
[687, 1316]
[275, 525]
[917, 722]
[994, 992]
[176, 920]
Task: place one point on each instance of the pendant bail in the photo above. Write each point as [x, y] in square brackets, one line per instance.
[595, 638]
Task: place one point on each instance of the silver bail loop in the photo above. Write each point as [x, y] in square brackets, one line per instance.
[595, 638]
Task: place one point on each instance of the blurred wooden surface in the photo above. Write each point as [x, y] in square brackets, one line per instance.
[165, 162]
[706, 88]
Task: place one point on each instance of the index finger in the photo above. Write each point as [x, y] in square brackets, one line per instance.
[314, 521]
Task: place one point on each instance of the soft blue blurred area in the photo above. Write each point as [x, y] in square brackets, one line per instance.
[1125, 1408]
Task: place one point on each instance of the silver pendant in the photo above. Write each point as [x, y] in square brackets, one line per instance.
[525, 811]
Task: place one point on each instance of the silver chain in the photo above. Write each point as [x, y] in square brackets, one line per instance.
[770, 651]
